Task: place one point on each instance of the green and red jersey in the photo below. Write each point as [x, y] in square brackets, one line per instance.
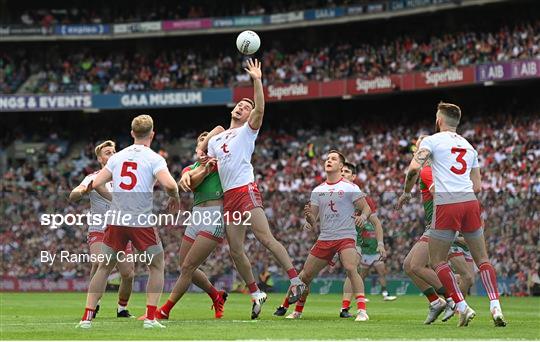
[209, 189]
[366, 238]
[426, 182]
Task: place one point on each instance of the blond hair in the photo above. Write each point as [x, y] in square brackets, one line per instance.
[108, 143]
[142, 126]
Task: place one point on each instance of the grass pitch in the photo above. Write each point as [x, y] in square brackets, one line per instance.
[53, 316]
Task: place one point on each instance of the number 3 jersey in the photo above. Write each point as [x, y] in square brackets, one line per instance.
[134, 172]
[453, 157]
[336, 209]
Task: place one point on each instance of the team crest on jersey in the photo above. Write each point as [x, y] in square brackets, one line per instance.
[341, 193]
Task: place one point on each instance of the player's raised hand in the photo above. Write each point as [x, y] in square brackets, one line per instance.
[254, 69]
[185, 182]
[402, 200]
[307, 226]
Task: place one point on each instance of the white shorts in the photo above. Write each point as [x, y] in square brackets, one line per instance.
[368, 260]
[207, 222]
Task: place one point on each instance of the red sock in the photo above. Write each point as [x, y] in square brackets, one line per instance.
[253, 287]
[292, 273]
[432, 297]
[151, 312]
[489, 279]
[345, 304]
[285, 303]
[122, 302]
[300, 305]
[213, 293]
[88, 314]
[167, 307]
[448, 279]
[361, 302]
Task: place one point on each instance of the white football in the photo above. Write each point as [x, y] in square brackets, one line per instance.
[248, 42]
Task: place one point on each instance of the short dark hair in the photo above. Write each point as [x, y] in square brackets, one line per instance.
[203, 134]
[248, 100]
[451, 111]
[342, 158]
[350, 166]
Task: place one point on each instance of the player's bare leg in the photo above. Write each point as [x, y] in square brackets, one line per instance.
[346, 299]
[312, 267]
[97, 286]
[236, 235]
[127, 273]
[197, 277]
[477, 246]
[381, 270]
[349, 261]
[261, 230]
[201, 248]
[95, 249]
[154, 287]
[466, 273]
[439, 245]
[416, 260]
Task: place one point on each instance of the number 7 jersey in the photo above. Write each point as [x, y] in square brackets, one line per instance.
[453, 157]
[134, 172]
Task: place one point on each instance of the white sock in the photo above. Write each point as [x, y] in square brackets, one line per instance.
[254, 294]
[385, 293]
[461, 306]
[435, 302]
[296, 281]
[121, 308]
[494, 304]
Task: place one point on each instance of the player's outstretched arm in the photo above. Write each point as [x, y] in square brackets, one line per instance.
[79, 191]
[420, 158]
[104, 176]
[193, 178]
[166, 180]
[102, 190]
[476, 179]
[204, 144]
[256, 115]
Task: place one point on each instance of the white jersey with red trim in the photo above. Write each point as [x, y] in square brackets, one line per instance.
[336, 209]
[98, 204]
[134, 172]
[233, 149]
[453, 157]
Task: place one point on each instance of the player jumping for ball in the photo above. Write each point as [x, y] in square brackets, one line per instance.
[456, 176]
[233, 149]
[99, 204]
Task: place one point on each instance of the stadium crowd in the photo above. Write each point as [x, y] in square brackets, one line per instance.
[81, 12]
[88, 70]
[287, 168]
